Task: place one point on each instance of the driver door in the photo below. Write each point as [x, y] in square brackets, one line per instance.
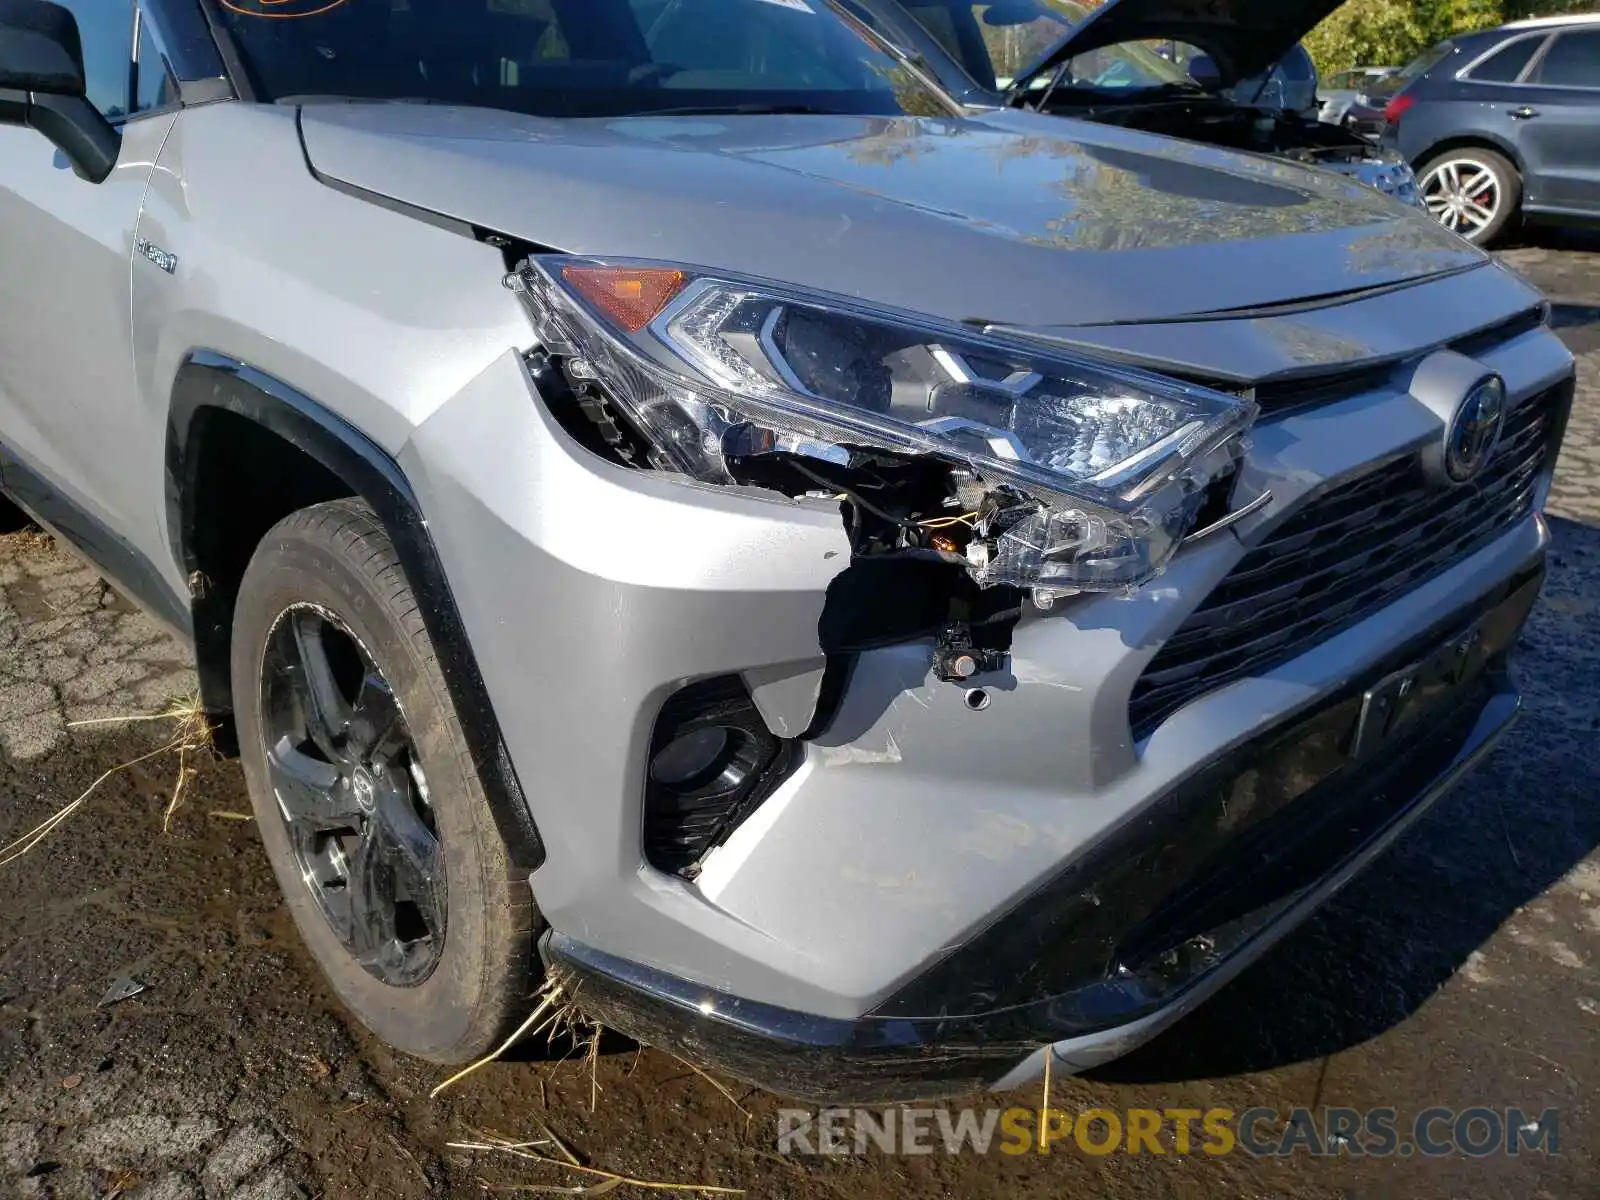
[74, 447]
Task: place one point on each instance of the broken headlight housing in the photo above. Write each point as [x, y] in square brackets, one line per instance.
[1068, 474]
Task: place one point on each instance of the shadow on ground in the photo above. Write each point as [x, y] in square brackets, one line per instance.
[1578, 325]
[1515, 828]
[1578, 238]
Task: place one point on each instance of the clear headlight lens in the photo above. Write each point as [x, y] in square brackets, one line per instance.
[1096, 470]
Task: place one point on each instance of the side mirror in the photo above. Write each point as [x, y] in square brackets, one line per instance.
[42, 85]
[1203, 70]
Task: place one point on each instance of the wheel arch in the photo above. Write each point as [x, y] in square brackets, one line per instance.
[221, 406]
[1471, 141]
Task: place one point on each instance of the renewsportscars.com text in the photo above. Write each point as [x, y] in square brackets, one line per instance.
[1479, 1131]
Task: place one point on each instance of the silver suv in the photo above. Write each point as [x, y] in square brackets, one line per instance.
[871, 596]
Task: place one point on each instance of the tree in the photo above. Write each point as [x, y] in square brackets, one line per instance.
[1391, 32]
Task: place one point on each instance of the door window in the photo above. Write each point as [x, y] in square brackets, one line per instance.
[1507, 64]
[1574, 61]
[106, 29]
[153, 87]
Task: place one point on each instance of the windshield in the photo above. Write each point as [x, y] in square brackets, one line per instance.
[575, 58]
[995, 42]
[1289, 84]
[1130, 67]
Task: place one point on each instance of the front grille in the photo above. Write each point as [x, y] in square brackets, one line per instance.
[1285, 395]
[1342, 557]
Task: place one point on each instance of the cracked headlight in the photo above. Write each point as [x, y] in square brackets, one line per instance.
[1091, 472]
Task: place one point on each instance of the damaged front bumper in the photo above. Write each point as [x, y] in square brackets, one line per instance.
[1127, 939]
[940, 879]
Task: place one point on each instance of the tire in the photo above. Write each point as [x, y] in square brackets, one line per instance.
[1451, 178]
[333, 568]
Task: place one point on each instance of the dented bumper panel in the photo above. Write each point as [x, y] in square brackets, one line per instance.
[913, 813]
[1134, 934]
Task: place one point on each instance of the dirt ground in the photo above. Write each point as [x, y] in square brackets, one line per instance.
[1463, 969]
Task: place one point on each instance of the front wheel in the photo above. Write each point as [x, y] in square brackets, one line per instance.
[365, 793]
[1471, 191]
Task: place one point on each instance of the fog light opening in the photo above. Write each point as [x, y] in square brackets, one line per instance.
[712, 762]
[692, 759]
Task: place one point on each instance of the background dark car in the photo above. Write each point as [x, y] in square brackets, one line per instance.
[1504, 124]
[1337, 93]
[1291, 85]
[1365, 117]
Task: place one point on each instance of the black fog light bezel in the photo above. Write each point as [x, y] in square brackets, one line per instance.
[686, 818]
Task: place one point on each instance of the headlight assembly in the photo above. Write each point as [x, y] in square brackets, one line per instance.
[1392, 175]
[1066, 474]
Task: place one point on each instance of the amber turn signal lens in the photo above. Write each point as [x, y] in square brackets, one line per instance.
[630, 296]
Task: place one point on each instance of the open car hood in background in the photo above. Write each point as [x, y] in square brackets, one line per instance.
[1244, 37]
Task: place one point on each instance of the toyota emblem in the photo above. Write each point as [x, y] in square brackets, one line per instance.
[1474, 433]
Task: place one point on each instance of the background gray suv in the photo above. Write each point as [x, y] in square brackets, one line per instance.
[668, 504]
[1504, 124]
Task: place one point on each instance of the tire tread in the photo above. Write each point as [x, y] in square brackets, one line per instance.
[351, 530]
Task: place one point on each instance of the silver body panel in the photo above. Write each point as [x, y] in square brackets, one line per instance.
[590, 593]
[913, 810]
[67, 399]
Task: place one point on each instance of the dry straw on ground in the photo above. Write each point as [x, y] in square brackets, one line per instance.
[551, 1014]
[605, 1181]
[191, 735]
[559, 1016]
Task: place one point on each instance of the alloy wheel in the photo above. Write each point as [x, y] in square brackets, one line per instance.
[1463, 195]
[352, 796]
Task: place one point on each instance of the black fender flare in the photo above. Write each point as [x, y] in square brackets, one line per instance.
[211, 380]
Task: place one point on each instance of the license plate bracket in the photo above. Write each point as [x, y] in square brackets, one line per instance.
[1405, 696]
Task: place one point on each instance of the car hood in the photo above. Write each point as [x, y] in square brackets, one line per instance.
[1017, 219]
[1244, 37]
